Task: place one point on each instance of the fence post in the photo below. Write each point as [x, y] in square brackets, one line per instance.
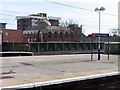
[91, 48]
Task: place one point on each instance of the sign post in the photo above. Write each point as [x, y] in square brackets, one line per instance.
[1, 40]
[108, 47]
[99, 35]
[91, 48]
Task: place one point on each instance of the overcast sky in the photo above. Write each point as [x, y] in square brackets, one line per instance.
[85, 15]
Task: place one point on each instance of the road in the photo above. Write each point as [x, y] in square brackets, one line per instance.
[30, 69]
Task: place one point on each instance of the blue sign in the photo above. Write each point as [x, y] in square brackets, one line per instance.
[100, 35]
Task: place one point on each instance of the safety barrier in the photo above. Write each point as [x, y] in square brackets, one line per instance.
[49, 46]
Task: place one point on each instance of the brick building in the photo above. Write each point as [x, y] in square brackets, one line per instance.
[53, 34]
[11, 35]
[40, 28]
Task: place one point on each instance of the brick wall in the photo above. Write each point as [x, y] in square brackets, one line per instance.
[10, 35]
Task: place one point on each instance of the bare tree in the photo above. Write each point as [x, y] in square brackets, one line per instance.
[66, 23]
[115, 32]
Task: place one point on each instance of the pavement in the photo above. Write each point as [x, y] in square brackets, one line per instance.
[31, 69]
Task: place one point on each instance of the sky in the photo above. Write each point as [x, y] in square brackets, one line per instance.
[82, 12]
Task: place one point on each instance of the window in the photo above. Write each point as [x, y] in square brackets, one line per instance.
[35, 33]
[55, 35]
[35, 39]
[72, 35]
[31, 40]
[49, 34]
[6, 33]
[60, 34]
[66, 35]
[28, 40]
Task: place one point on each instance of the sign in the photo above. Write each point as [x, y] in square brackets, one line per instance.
[100, 35]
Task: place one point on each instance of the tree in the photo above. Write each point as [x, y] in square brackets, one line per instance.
[66, 23]
[115, 32]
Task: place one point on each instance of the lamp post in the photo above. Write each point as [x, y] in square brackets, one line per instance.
[99, 10]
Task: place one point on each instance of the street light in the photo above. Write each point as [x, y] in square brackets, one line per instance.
[99, 10]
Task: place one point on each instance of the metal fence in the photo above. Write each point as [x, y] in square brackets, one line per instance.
[50, 46]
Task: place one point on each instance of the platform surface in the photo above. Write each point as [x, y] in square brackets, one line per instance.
[31, 69]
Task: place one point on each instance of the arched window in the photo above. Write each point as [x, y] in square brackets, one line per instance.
[27, 33]
[55, 35]
[49, 34]
[72, 35]
[66, 35]
[34, 32]
[61, 34]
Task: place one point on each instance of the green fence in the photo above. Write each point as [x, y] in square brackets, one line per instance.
[114, 48]
[44, 47]
[47, 47]
[14, 46]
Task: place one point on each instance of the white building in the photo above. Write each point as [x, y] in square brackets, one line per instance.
[34, 21]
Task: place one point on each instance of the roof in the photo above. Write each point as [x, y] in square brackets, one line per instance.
[3, 23]
[24, 17]
[54, 18]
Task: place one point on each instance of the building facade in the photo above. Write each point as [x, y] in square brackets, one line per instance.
[53, 34]
[11, 35]
[28, 22]
[40, 28]
[32, 21]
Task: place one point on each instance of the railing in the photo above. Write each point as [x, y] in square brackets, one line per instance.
[50, 46]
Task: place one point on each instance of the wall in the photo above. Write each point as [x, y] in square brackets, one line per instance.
[11, 35]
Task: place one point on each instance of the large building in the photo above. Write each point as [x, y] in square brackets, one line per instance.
[40, 28]
[32, 21]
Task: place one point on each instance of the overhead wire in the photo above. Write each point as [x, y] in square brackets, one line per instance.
[91, 26]
[63, 5]
[77, 7]
[88, 21]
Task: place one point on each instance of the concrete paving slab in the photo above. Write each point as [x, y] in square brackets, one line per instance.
[31, 69]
